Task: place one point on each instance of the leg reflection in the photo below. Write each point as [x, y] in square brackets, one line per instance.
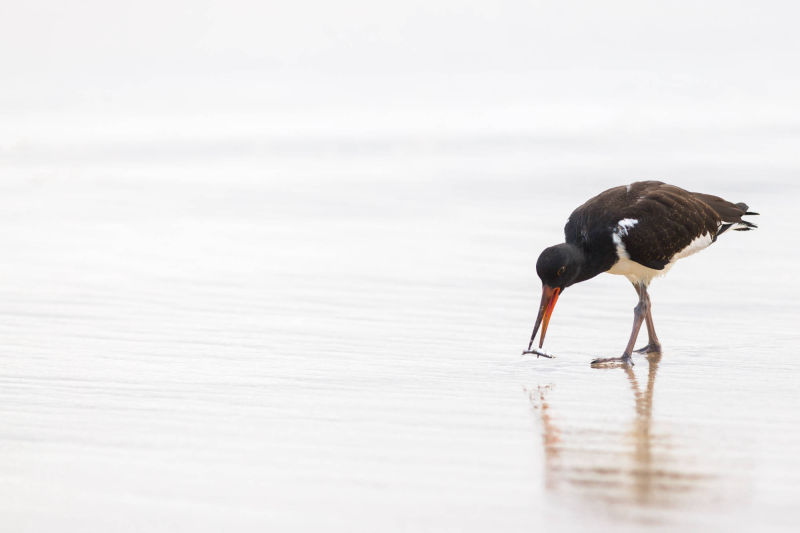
[595, 449]
[644, 476]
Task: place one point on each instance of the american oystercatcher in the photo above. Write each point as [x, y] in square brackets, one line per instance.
[638, 231]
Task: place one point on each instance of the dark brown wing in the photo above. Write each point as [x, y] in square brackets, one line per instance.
[669, 219]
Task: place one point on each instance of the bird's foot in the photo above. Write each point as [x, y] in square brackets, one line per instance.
[653, 347]
[625, 360]
[539, 353]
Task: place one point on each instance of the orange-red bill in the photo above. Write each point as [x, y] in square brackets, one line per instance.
[548, 303]
[548, 313]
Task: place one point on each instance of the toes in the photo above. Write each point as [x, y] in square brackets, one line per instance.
[650, 348]
[612, 361]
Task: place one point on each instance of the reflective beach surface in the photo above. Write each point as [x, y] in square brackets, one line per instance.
[251, 330]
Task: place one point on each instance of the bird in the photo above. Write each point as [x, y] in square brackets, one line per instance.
[638, 231]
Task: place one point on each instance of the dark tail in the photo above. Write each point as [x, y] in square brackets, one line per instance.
[730, 213]
[744, 225]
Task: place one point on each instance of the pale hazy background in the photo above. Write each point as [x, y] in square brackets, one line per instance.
[269, 266]
[138, 74]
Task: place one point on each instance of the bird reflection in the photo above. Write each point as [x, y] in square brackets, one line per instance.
[613, 459]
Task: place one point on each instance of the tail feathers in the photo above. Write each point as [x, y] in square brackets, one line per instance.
[744, 207]
[737, 226]
[730, 214]
[745, 225]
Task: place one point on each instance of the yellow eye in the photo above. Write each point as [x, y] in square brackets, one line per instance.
[561, 270]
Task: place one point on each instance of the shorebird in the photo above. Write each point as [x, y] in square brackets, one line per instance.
[638, 231]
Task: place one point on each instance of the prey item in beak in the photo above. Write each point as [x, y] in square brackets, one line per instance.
[549, 299]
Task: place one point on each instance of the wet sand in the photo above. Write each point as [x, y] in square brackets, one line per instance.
[330, 336]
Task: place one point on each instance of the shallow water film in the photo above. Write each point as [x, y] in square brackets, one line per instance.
[185, 346]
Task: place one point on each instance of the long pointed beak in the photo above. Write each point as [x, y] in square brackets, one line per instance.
[549, 299]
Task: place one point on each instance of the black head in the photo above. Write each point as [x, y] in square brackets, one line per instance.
[559, 265]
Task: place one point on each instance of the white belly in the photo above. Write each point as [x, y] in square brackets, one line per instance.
[634, 271]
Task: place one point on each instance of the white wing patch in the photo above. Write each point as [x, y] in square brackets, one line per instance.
[624, 225]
